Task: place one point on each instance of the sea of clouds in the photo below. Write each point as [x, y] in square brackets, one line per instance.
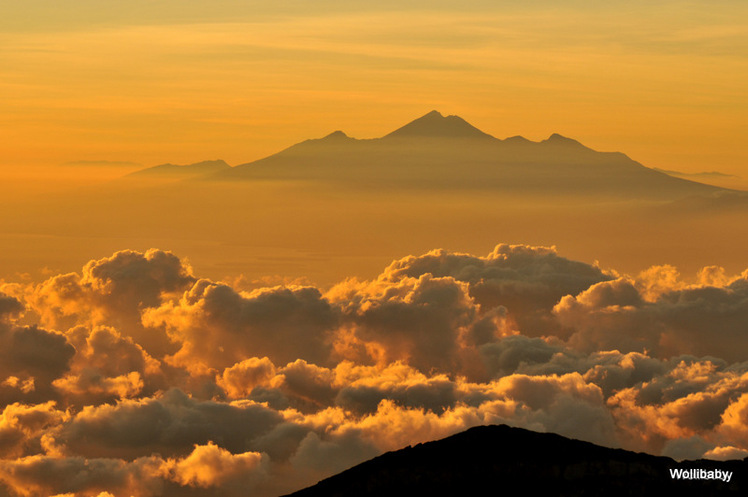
[136, 377]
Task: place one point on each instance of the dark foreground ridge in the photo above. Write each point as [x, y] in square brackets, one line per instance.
[491, 460]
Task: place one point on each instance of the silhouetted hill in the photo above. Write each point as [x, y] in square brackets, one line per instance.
[500, 460]
[435, 151]
[175, 171]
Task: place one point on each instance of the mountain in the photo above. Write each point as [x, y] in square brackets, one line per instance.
[447, 152]
[175, 171]
[434, 124]
[499, 460]
[704, 174]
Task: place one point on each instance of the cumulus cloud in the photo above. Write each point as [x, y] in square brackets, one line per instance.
[21, 426]
[210, 465]
[134, 377]
[527, 281]
[107, 366]
[418, 320]
[31, 358]
[205, 467]
[725, 453]
[734, 424]
[39, 475]
[217, 327]
[9, 306]
[170, 424]
[699, 320]
[240, 379]
[401, 384]
[694, 397]
[114, 291]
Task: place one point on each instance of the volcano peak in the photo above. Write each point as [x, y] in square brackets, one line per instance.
[436, 125]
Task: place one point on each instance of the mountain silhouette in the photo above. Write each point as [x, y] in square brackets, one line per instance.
[500, 460]
[441, 152]
[181, 171]
[434, 125]
[436, 152]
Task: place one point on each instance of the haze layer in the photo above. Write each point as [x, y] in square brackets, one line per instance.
[141, 375]
[337, 206]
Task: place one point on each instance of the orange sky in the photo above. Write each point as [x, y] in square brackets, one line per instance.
[664, 82]
[256, 337]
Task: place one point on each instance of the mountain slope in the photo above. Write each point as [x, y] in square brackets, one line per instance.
[175, 171]
[441, 152]
[434, 124]
[500, 458]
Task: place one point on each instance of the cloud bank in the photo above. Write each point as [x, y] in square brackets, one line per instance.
[136, 377]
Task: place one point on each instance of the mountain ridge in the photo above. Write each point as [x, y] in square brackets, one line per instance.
[446, 152]
[196, 169]
[499, 456]
[435, 151]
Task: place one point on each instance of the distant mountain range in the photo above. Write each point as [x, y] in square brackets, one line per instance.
[706, 175]
[175, 171]
[447, 152]
[500, 460]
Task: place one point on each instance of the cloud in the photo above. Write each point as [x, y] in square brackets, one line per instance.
[541, 403]
[734, 424]
[365, 388]
[312, 386]
[686, 448]
[323, 454]
[696, 319]
[726, 453]
[130, 278]
[21, 426]
[137, 378]
[114, 290]
[240, 379]
[217, 327]
[90, 383]
[30, 360]
[432, 311]
[169, 424]
[9, 306]
[417, 320]
[528, 281]
[38, 476]
[107, 366]
[207, 466]
[517, 352]
[210, 465]
[693, 397]
[36, 351]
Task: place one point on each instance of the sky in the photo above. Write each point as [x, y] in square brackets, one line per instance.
[156, 82]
